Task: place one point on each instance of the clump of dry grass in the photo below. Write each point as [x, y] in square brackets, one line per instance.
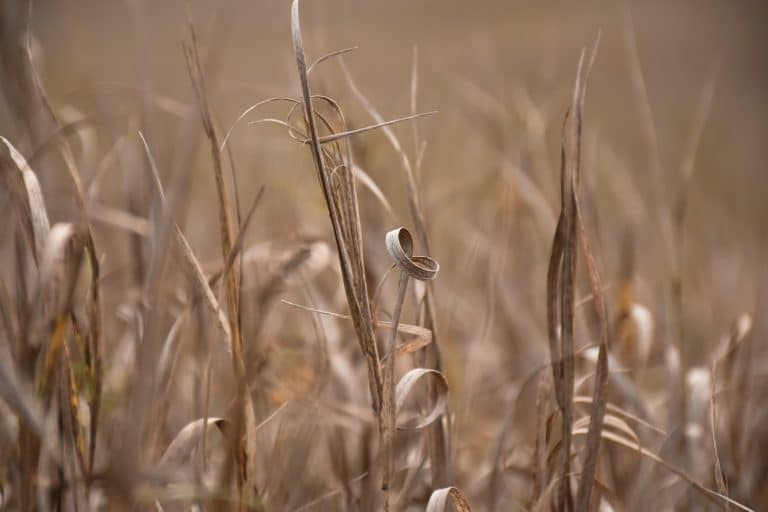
[154, 357]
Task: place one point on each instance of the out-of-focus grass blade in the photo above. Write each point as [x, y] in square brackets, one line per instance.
[179, 450]
[22, 182]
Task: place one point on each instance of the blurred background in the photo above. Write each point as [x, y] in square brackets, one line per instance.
[516, 60]
[673, 183]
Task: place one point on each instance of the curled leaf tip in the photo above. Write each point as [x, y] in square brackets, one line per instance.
[399, 244]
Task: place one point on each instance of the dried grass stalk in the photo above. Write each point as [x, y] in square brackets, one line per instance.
[338, 187]
[399, 244]
[440, 433]
[561, 277]
[243, 441]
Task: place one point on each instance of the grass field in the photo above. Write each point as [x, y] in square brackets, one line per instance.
[399, 255]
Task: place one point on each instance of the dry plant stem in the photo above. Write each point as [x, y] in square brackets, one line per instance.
[439, 434]
[204, 291]
[400, 246]
[28, 94]
[201, 285]
[243, 443]
[225, 221]
[722, 486]
[543, 393]
[561, 300]
[599, 402]
[358, 302]
[169, 355]
[411, 479]
[25, 191]
[336, 136]
[553, 299]
[714, 496]
[389, 388]
[56, 291]
[567, 335]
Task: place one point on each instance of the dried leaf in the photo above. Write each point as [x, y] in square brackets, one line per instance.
[399, 245]
[714, 496]
[186, 440]
[341, 200]
[25, 189]
[404, 387]
[438, 501]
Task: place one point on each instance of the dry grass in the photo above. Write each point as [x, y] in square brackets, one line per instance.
[166, 346]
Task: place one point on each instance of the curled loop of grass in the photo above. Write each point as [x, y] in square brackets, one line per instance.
[404, 387]
[400, 247]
